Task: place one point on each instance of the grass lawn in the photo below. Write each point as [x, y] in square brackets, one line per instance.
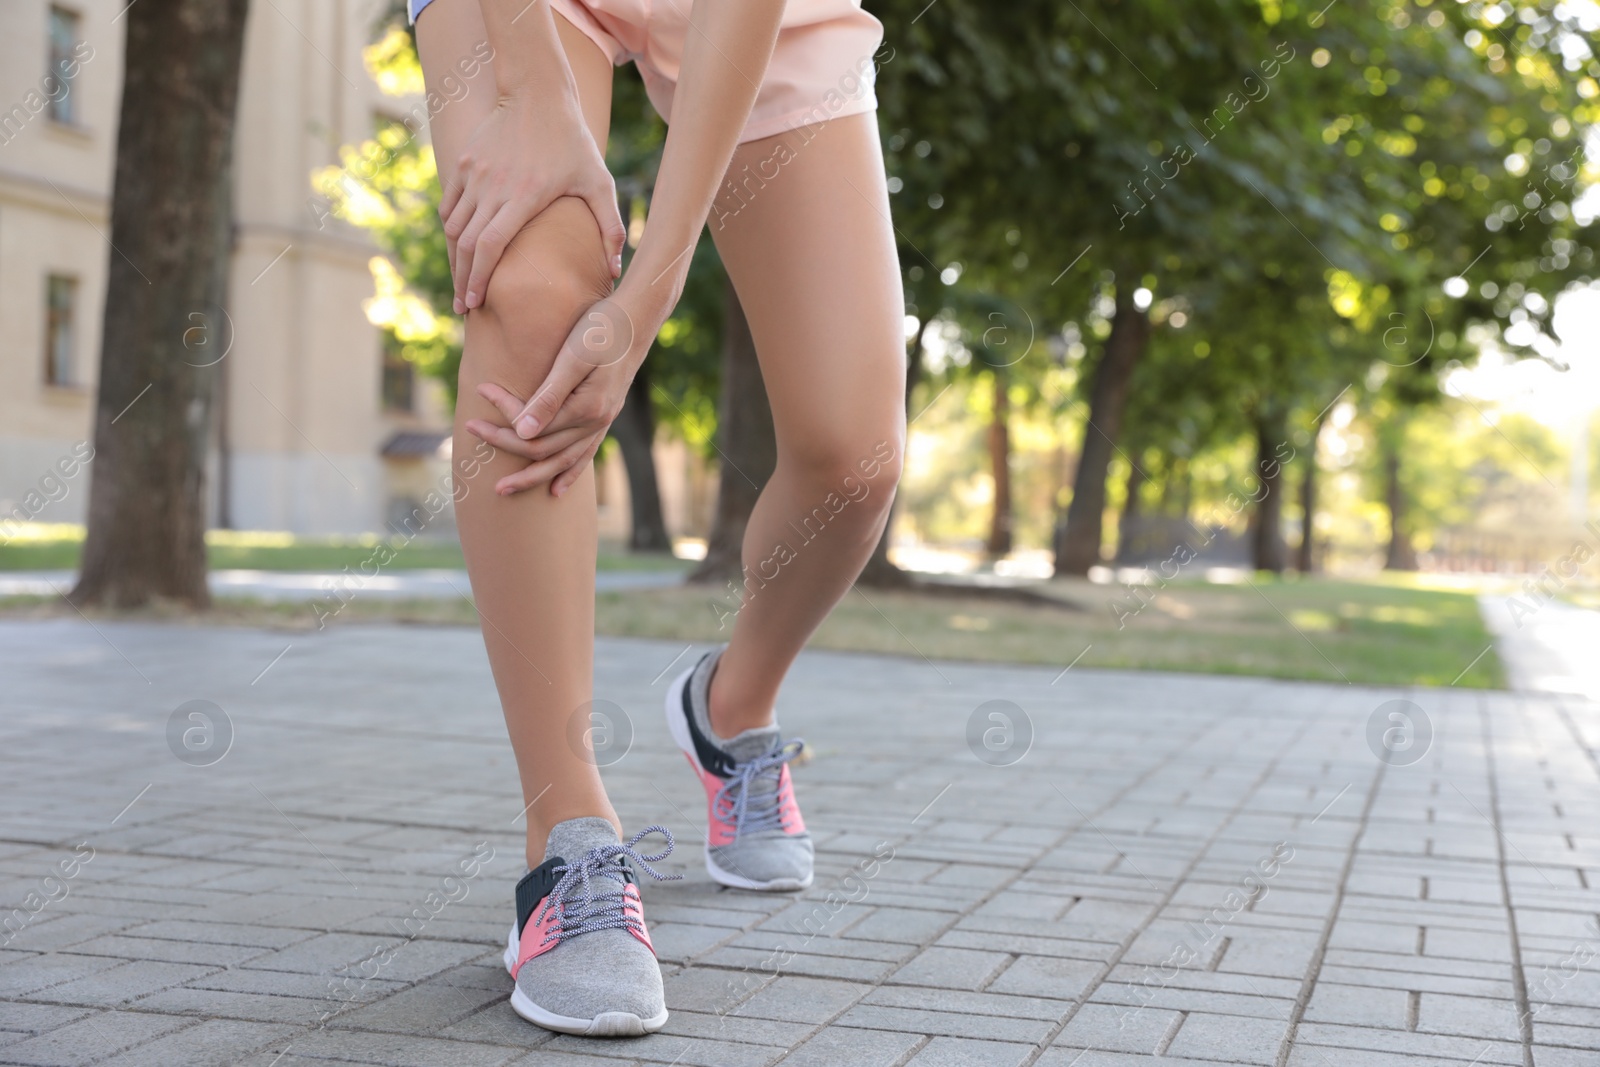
[1320, 629]
[1365, 632]
[59, 548]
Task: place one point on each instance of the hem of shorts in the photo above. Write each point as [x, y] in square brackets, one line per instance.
[794, 120]
[617, 55]
[584, 23]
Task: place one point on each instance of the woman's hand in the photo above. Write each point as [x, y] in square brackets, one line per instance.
[563, 424]
[522, 157]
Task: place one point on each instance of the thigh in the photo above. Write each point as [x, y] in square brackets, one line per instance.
[555, 267]
[451, 38]
[802, 224]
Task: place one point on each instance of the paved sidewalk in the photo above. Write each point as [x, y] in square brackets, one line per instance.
[1547, 646]
[421, 584]
[1180, 871]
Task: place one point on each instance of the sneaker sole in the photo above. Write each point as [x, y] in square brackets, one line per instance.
[735, 881]
[679, 729]
[606, 1024]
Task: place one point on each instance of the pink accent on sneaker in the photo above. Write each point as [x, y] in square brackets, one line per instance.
[634, 907]
[788, 809]
[533, 941]
[721, 832]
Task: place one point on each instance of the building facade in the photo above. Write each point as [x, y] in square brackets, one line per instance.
[304, 415]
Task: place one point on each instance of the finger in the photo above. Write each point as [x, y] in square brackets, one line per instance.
[454, 219]
[449, 195]
[602, 201]
[455, 210]
[539, 448]
[510, 405]
[460, 235]
[467, 251]
[548, 398]
[567, 418]
[541, 472]
[568, 477]
[491, 246]
[505, 401]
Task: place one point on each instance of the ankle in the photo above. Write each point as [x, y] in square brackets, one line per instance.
[732, 714]
[539, 831]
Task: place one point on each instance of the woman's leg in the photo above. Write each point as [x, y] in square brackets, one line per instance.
[812, 254]
[531, 556]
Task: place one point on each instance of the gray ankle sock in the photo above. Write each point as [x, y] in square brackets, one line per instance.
[572, 840]
[743, 746]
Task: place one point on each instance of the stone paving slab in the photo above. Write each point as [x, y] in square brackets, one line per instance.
[309, 586]
[1122, 869]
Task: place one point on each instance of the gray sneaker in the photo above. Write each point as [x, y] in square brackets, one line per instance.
[755, 836]
[579, 950]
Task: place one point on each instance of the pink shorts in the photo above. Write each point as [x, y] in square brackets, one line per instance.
[822, 67]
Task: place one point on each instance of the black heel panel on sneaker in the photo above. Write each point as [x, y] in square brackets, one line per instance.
[711, 757]
[534, 887]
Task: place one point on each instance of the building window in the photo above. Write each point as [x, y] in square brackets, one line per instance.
[60, 330]
[65, 33]
[399, 376]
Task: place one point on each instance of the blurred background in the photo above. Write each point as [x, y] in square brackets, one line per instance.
[1243, 336]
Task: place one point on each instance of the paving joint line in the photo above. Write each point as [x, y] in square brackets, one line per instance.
[1577, 737]
[1022, 872]
[1178, 882]
[922, 1041]
[1313, 973]
[1519, 978]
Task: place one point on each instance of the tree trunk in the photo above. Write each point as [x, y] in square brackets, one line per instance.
[635, 431]
[1169, 485]
[1305, 555]
[1000, 466]
[879, 573]
[168, 261]
[1128, 525]
[1175, 490]
[1267, 547]
[1401, 555]
[224, 426]
[1078, 544]
[746, 441]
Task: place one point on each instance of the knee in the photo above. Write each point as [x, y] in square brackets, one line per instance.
[549, 274]
[879, 468]
[862, 470]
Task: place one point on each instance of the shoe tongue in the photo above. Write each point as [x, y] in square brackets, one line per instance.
[572, 840]
[752, 744]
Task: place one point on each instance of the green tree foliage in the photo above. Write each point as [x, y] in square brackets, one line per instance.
[1304, 184]
[1320, 200]
[388, 185]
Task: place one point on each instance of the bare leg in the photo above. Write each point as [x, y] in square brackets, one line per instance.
[812, 254]
[531, 556]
